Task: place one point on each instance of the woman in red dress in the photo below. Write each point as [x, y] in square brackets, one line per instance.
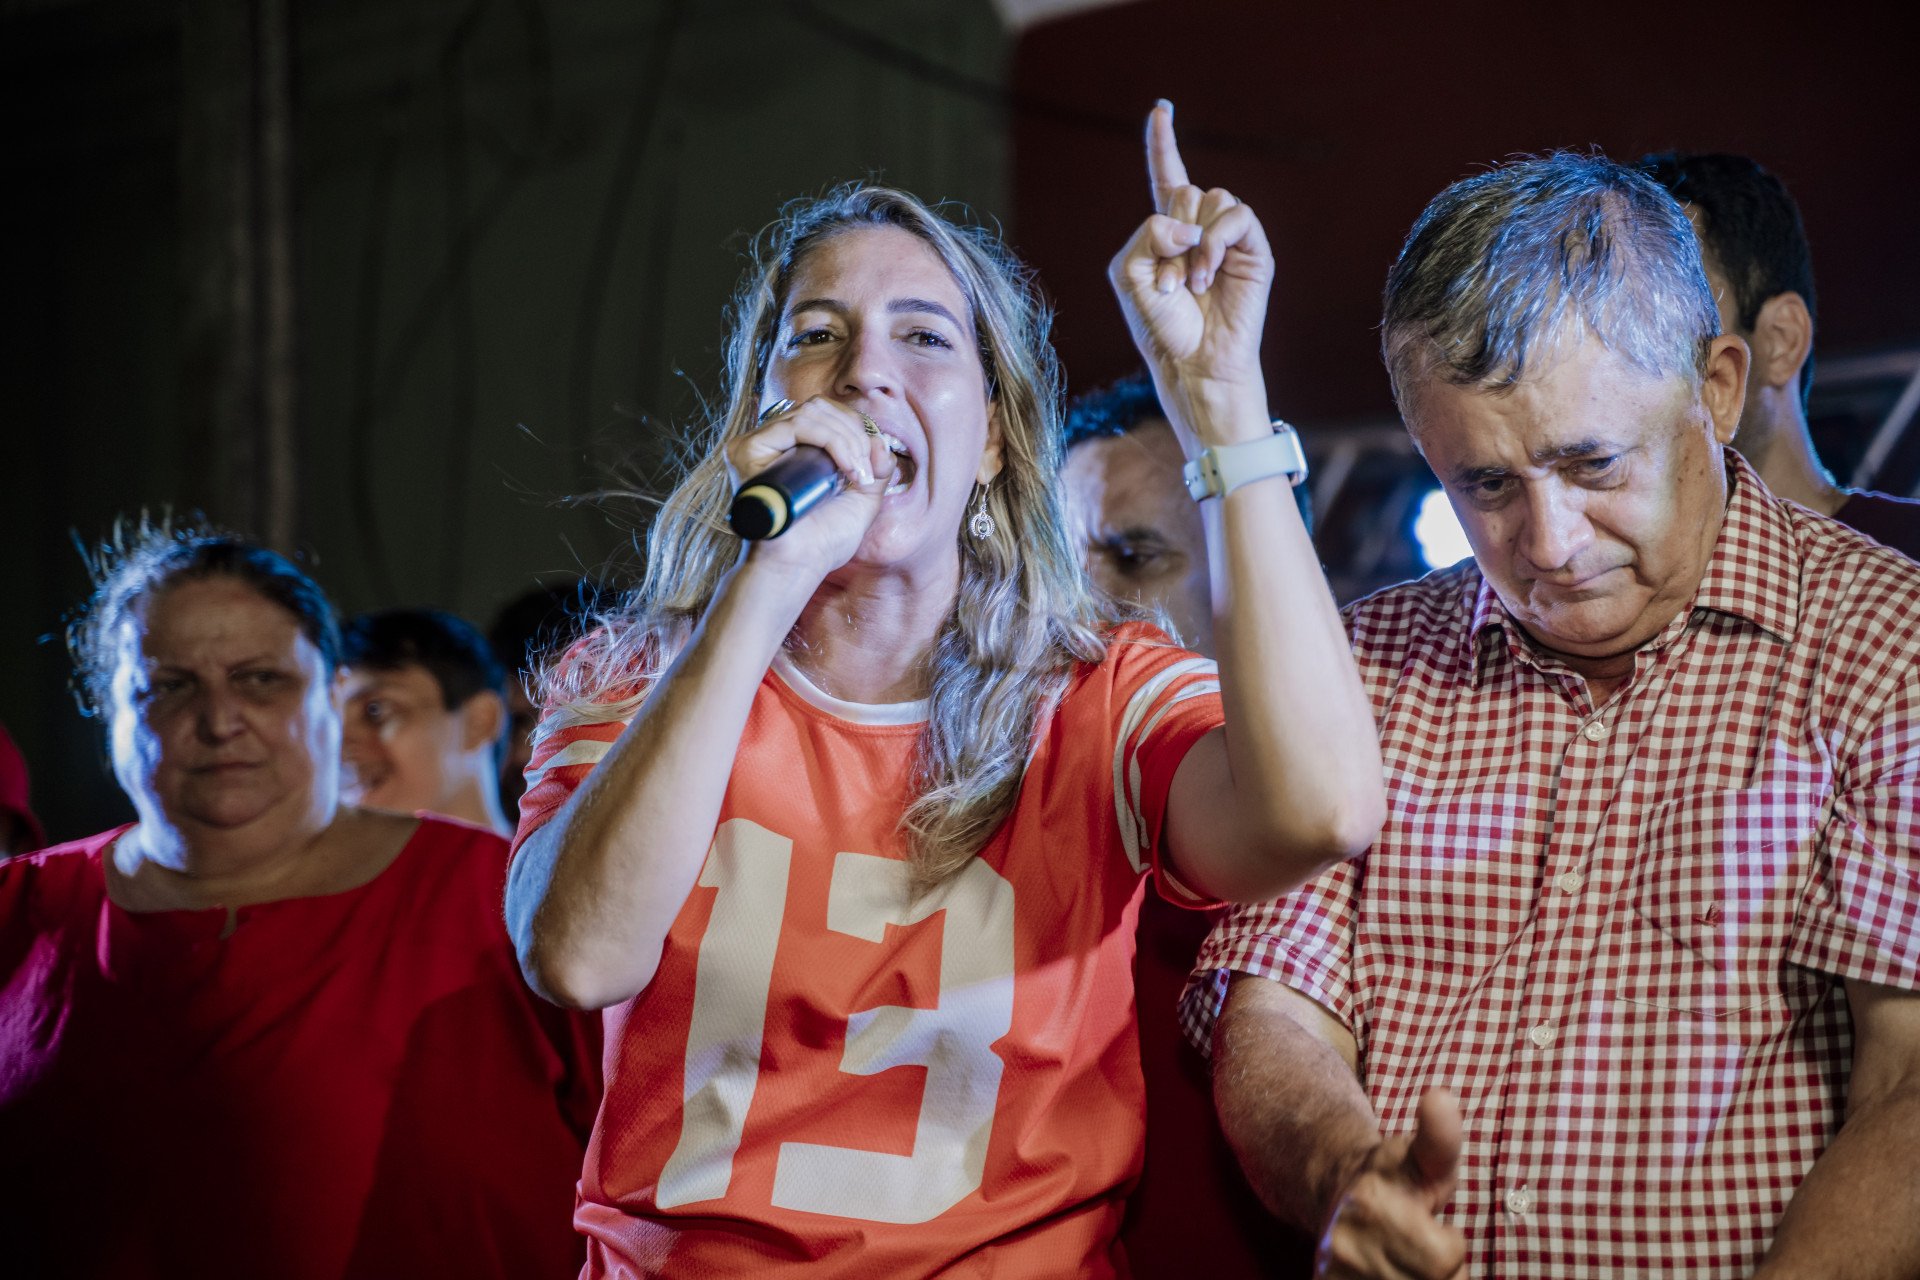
[255, 1032]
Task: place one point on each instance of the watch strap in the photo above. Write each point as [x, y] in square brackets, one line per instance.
[1221, 469]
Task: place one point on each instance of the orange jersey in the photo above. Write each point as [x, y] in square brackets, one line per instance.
[829, 1073]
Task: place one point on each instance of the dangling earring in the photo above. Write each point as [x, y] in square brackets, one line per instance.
[982, 525]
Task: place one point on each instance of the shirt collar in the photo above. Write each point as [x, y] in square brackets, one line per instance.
[1753, 572]
[1750, 574]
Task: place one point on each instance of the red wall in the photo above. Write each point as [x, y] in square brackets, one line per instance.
[1338, 123]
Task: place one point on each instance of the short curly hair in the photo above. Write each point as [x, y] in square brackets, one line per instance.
[142, 558]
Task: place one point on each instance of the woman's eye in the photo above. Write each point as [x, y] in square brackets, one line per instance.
[928, 338]
[810, 338]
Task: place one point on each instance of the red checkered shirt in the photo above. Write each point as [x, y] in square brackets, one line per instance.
[1620, 935]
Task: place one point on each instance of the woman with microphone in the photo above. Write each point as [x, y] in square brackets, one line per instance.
[844, 828]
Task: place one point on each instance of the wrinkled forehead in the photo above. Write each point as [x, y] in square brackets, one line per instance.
[179, 628]
[1584, 397]
[206, 610]
[198, 607]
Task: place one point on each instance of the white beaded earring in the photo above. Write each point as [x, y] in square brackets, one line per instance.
[982, 525]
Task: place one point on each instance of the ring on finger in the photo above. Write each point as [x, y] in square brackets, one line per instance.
[775, 409]
[871, 427]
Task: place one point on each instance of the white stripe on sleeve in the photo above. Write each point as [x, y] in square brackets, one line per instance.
[585, 751]
[1143, 714]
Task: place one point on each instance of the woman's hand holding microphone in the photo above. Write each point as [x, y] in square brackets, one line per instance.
[821, 459]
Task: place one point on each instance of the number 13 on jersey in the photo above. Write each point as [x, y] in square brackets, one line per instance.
[749, 867]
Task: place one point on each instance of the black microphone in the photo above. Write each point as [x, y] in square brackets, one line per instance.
[768, 503]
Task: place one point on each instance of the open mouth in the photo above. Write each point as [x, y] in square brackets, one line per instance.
[905, 468]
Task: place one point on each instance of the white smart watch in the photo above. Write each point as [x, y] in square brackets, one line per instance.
[1222, 469]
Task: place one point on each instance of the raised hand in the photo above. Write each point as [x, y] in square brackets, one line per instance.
[1384, 1225]
[1193, 282]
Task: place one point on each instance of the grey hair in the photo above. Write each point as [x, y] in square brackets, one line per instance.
[1503, 267]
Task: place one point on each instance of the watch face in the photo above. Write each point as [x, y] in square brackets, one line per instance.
[1197, 478]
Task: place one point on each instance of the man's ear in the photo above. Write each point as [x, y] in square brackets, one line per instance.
[990, 458]
[1782, 339]
[482, 720]
[1723, 388]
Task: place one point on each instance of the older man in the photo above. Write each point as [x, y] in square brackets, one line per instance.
[1627, 984]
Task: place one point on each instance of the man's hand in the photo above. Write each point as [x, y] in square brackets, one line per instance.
[1384, 1224]
[1193, 283]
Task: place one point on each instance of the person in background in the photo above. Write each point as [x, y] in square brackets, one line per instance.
[20, 830]
[1629, 984]
[1761, 269]
[257, 1032]
[1127, 505]
[846, 828]
[426, 715]
[528, 632]
[1144, 542]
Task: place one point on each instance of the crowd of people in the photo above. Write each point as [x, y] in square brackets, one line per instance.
[1021, 866]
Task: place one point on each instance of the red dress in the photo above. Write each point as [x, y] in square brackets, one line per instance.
[356, 1085]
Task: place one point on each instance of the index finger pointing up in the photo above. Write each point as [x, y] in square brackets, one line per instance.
[1164, 167]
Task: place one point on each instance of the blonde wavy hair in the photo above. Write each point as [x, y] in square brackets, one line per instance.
[1026, 612]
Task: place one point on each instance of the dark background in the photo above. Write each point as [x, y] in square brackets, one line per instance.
[1339, 122]
[515, 224]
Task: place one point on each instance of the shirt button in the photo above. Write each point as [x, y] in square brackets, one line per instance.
[1519, 1202]
[1595, 731]
[1570, 881]
[1542, 1035]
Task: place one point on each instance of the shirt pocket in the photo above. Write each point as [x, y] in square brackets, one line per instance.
[1720, 879]
[1453, 875]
